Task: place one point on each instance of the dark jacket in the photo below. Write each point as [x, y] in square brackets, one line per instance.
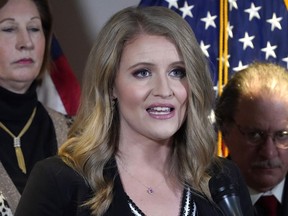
[54, 189]
[284, 206]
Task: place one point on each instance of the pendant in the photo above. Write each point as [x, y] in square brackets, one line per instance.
[150, 190]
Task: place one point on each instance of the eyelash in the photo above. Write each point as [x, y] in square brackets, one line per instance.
[182, 72]
[139, 73]
[34, 29]
[176, 73]
[11, 29]
[8, 29]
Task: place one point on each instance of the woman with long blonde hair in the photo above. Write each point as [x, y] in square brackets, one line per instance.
[142, 143]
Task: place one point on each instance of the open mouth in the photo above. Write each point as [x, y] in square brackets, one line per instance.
[160, 110]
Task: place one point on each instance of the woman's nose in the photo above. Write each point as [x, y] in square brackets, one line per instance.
[24, 40]
[162, 87]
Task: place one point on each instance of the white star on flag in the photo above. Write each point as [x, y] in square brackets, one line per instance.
[204, 48]
[209, 20]
[253, 12]
[240, 67]
[230, 30]
[187, 10]
[172, 3]
[223, 60]
[275, 22]
[247, 41]
[286, 60]
[232, 4]
[269, 50]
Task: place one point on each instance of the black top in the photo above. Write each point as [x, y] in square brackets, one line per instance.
[188, 205]
[55, 189]
[37, 143]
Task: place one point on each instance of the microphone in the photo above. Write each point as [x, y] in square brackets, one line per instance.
[224, 194]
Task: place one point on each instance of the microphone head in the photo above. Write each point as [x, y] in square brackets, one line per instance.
[225, 194]
[221, 187]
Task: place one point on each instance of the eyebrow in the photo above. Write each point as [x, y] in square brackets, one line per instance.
[7, 19]
[12, 19]
[140, 64]
[151, 64]
[178, 63]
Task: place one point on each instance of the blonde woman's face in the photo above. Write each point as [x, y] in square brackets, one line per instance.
[151, 88]
[22, 45]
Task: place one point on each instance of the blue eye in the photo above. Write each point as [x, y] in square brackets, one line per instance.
[178, 73]
[142, 73]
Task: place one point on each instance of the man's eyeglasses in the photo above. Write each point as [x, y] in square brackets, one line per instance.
[256, 137]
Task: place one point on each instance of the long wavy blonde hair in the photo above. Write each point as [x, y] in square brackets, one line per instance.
[93, 139]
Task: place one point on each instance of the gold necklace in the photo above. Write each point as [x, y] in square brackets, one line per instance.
[149, 189]
[17, 141]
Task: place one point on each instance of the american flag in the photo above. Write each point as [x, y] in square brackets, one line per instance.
[60, 89]
[256, 30]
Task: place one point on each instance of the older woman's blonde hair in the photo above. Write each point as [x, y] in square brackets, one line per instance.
[93, 139]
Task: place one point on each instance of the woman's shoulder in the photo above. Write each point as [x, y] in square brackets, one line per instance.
[54, 175]
[54, 161]
[55, 166]
[59, 173]
[53, 187]
[55, 172]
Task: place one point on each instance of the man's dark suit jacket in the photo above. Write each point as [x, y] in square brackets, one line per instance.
[284, 207]
[54, 189]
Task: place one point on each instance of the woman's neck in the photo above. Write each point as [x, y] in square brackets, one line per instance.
[151, 153]
[15, 87]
